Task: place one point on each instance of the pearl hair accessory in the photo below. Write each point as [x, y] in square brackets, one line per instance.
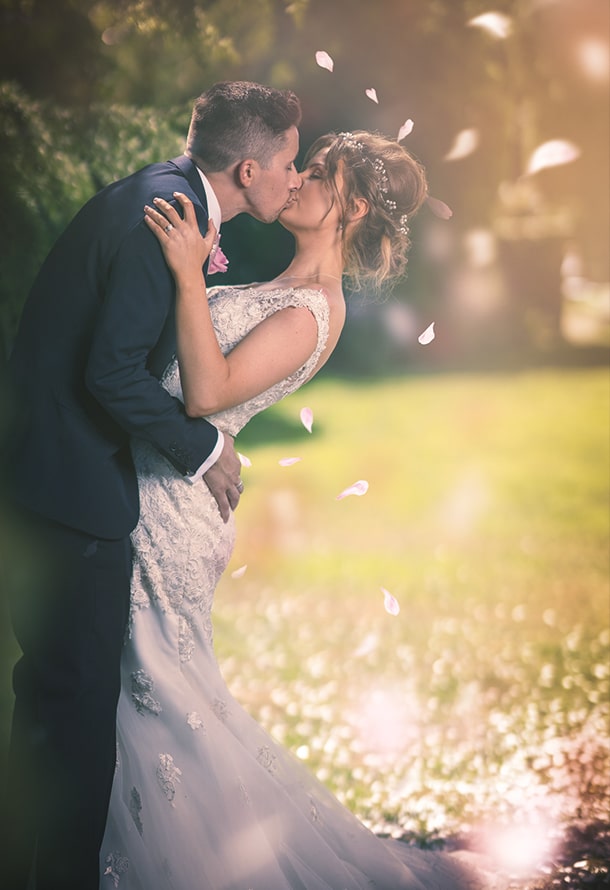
[383, 183]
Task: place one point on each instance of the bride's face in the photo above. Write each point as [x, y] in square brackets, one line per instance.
[315, 205]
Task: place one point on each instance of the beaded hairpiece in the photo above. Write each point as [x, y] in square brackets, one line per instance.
[383, 183]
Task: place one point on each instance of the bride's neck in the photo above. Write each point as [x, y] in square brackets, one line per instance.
[311, 264]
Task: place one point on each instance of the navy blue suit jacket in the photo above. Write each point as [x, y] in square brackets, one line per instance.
[97, 331]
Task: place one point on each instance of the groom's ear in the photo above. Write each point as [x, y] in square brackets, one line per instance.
[245, 172]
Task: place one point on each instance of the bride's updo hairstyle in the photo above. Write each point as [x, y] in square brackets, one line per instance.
[394, 185]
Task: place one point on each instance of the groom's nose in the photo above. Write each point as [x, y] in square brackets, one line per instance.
[297, 181]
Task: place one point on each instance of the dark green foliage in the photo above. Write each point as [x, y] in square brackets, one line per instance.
[53, 160]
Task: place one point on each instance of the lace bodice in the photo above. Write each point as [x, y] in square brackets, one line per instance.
[180, 538]
[235, 311]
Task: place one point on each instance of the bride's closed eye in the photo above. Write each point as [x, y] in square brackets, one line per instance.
[315, 172]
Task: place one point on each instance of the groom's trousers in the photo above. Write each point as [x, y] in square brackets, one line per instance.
[70, 625]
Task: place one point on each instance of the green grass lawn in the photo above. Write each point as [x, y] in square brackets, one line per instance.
[485, 700]
[487, 518]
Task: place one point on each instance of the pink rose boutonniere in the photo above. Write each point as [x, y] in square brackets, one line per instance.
[218, 261]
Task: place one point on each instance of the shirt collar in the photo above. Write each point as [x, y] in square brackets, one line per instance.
[214, 211]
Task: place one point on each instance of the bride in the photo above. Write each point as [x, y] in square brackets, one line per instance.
[203, 798]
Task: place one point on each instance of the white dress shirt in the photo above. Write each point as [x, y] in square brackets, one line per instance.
[215, 214]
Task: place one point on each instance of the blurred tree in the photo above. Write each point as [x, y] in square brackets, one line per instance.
[425, 60]
[51, 49]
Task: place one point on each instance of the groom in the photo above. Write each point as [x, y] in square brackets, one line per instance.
[96, 334]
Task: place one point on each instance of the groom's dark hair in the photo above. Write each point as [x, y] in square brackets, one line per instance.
[236, 120]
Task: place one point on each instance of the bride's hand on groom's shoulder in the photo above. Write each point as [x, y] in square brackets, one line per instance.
[223, 479]
[184, 247]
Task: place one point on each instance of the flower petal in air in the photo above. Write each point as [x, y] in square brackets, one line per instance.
[289, 461]
[439, 208]
[244, 461]
[324, 60]
[390, 603]
[307, 418]
[368, 645]
[359, 488]
[406, 128]
[465, 142]
[495, 23]
[552, 154]
[372, 95]
[427, 336]
[240, 572]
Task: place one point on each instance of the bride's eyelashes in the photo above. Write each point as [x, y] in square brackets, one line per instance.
[315, 172]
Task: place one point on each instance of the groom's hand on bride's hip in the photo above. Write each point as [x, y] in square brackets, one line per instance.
[223, 479]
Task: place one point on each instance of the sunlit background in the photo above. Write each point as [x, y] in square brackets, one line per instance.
[434, 643]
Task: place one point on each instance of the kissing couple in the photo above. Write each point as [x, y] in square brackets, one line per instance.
[131, 766]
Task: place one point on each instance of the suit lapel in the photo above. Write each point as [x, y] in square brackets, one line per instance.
[166, 345]
[189, 170]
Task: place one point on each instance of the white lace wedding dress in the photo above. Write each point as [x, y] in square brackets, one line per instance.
[203, 798]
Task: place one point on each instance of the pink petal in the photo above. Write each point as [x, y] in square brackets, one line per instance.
[427, 336]
[324, 60]
[552, 154]
[359, 488]
[289, 461]
[390, 602]
[465, 142]
[372, 94]
[244, 461]
[239, 573]
[406, 128]
[439, 208]
[495, 23]
[307, 418]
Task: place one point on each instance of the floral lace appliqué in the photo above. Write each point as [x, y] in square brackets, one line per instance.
[186, 638]
[220, 709]
[142, 685]
[135, 808]
[267, 758]
[314, 814]
[168, 775]
[194, 721]
[116, 866]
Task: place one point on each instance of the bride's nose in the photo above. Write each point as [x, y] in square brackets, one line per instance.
[297, 182]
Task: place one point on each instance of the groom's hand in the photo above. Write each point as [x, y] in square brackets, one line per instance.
[223, 479]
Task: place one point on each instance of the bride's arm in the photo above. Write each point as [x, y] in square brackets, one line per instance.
[273, 350]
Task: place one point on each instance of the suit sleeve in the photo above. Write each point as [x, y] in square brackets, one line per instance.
[138, 296]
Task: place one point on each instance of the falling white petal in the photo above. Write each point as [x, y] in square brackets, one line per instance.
[359, 488]
[289, 461]
[465, 142]
[372, 94]
[324, 60]
[368, 644]
[593, 55]
[439, 208]
[240, 572]
[495, 23]
[406, 128]
[244, 461]
[390, 602]
[307, 418]
[552, 154]
[427, 336]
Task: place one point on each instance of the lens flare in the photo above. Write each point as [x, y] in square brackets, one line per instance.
[518, 849]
